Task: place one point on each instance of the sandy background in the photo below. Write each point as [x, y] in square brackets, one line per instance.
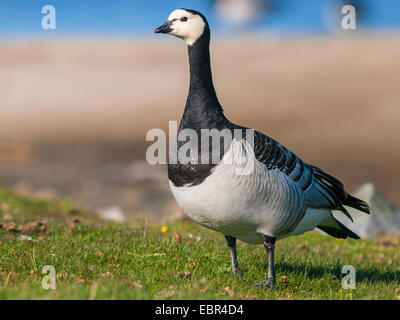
[74, 114]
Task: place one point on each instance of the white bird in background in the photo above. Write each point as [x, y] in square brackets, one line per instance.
[280, 197]
[240, 11]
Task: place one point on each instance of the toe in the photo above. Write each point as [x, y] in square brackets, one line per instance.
[267, 283]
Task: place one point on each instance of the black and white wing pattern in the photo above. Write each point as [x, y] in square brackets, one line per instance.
[321, 190]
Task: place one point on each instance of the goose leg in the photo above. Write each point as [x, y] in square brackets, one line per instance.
[232, 249]
[269, 245]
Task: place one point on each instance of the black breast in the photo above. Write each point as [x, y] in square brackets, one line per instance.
[189, 174]
[209, 154]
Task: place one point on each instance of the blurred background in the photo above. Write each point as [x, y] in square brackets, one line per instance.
[76, 102]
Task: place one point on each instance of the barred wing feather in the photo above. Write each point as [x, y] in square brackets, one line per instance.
[321, 190]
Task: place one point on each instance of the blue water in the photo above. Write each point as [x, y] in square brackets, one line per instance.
[139, 18]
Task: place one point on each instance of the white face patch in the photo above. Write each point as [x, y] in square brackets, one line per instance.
[189, 30]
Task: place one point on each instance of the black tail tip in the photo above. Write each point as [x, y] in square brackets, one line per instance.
[357, 204]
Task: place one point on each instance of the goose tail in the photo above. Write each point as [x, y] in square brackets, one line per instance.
[333, 190]
[356, 204]
[336, 229]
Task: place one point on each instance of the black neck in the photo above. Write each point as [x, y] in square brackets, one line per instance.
[202, 107]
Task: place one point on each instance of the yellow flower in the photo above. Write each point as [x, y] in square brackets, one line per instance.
[164, 229]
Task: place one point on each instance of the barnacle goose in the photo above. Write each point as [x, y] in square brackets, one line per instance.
[281, 196]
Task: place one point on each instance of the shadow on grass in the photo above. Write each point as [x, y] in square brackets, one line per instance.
[362, 274]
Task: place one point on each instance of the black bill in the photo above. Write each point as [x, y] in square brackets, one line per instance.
[165, 28]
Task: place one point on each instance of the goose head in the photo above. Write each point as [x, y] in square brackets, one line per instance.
[188, 25]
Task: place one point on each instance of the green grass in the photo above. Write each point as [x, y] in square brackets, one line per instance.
[98, 260]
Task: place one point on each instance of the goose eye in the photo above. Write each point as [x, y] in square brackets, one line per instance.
[184, 19]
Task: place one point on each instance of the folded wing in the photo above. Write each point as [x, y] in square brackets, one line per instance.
[322, 191]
